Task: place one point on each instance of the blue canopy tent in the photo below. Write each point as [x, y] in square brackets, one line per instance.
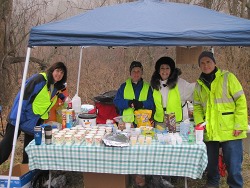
[140, 23]
[145, 23]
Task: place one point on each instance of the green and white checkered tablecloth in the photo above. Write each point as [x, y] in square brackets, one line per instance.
[186, 160]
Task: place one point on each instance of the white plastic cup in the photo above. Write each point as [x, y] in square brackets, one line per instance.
[141, 139]
[128, 126]
[148, 140]
[133, 140]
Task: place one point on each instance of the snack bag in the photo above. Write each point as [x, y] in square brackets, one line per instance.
[143, 117]
[171, 122]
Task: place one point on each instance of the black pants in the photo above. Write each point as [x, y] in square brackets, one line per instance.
[7, 143]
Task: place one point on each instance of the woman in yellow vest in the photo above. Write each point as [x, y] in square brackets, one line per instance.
[170, 92]
[134, 94]
[40, 95]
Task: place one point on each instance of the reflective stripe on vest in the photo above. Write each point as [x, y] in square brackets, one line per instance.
[204, 103]
[224, 98]
[42, 102]
[130, 95]
[173, 104]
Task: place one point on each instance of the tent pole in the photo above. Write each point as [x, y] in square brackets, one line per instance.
[19, 113]
[79, 71]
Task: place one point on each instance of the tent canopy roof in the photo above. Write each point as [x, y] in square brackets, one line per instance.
[145, 23]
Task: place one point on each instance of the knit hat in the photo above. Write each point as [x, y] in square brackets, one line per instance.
[135, 64]
[165, 60]
[206, 54]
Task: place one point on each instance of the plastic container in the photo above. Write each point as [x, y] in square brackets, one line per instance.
[191, 137]
[184, 128]
[199, 131]
[87, 118]
[76, 103]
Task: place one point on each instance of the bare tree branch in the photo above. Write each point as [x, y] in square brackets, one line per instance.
[14, 60]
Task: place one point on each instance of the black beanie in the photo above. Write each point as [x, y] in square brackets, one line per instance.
[165, 60]
[135, 64]
[206, 54]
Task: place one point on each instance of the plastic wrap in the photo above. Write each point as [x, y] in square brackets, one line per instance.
[116, 139]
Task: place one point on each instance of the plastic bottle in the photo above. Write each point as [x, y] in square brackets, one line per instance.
[191, 135]
[68, 103]
[76, 103]
[59, 113]
[199, 131]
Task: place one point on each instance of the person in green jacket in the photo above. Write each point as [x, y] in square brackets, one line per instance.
[219, 100]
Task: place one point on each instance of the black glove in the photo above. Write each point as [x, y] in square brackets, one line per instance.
[138, 104]
[131, 103]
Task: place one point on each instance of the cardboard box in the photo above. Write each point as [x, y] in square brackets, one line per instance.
[188, 55]
[21, 177]
[97, 180]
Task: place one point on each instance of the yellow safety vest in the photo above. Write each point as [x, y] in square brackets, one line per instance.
[223, 107]
[42, 102]
[128, 114]
[173, 104]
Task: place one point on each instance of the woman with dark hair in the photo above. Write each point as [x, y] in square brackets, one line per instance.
[40, 94]
[170, 92]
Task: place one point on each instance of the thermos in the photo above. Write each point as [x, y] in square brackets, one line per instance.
[48, 134]
[38, 135]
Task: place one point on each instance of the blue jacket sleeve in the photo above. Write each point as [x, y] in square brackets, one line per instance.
[32, 87]
[119, 100]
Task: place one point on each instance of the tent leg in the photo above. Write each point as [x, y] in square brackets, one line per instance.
[49, 186]
[186, 185]
[79, 72]
[19, 113]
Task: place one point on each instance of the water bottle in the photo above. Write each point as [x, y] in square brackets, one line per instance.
[48, 134]
[191, 137]
[38, 135]
[110, 123]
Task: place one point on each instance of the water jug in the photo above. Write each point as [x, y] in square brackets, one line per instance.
[76, 103]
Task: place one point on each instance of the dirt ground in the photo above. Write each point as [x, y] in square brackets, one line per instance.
[75, 179]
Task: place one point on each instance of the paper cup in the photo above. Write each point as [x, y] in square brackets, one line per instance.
[89, 140]
[68, 139]
[59, 139]
[141, 139]
[148, 140]
[133, 140]
[109, 129]
[77, 139]
[97, 140]
[66, 129]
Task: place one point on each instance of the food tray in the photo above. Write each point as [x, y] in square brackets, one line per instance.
[116, 139]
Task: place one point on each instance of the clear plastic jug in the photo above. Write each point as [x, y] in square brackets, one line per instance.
[76, 103]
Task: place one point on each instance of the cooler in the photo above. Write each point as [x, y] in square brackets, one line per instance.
[105, 106]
